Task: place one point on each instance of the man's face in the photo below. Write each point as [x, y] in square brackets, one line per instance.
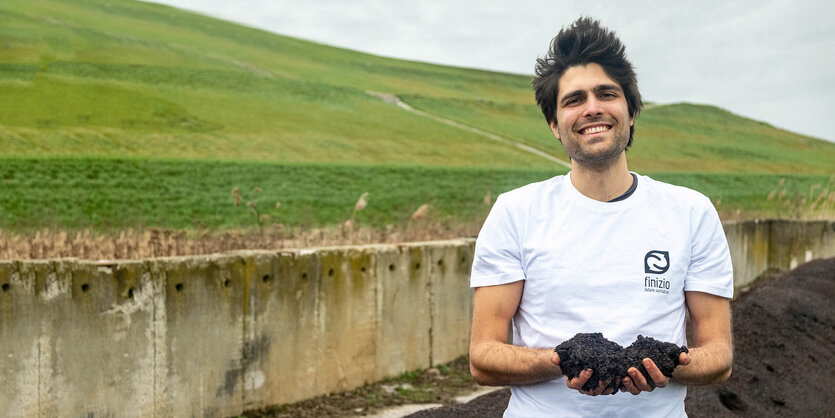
[592, 116]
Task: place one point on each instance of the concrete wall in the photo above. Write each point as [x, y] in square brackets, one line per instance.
[216, 335]
[759, 246]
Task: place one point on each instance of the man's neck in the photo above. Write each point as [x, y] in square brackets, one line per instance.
[602, 183]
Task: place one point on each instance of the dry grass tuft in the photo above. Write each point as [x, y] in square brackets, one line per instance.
[421, 212]
[152, 242]
[816, 203]
[361, 203]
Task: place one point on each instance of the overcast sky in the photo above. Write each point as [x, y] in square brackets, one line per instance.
[766, 59]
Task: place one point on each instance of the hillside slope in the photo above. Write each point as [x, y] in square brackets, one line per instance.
[121, 114]
[121, 78]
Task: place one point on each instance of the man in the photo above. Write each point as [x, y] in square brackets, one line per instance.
[600, 249]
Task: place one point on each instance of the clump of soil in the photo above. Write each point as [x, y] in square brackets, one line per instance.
[609, 361]
[591, 351]
[665, 355]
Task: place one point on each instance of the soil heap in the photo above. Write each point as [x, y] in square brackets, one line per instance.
[784, 350]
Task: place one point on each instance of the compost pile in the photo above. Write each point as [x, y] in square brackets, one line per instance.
[784, 354]
[784, 350]
[609, 361]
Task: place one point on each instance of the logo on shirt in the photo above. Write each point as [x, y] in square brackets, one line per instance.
[656, 262]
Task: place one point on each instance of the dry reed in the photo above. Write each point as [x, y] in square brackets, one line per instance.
[147, 243]
[816, 203]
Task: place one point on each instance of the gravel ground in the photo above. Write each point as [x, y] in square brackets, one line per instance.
[784, 348]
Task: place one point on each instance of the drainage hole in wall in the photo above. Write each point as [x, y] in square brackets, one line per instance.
[179, 287]
[6, 287]
[226, 283]
[266, 278]
[85, 287]
[417, 266]
[463, 259]
[330, 272]
[441, 262]
[391, 267]
[304, 276]
[362, 269]
[130, 293]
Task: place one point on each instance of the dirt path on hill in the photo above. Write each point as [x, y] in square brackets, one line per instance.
[390, 98]
[784, 345]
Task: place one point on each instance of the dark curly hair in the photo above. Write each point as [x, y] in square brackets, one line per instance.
[584, 42]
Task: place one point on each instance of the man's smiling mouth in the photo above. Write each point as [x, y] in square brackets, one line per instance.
[594, 129]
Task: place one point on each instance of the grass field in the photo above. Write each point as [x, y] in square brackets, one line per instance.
[128, 193]
[112, 194]
[120, 114]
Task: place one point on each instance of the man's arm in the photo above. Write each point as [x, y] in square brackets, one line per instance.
[494, 362]
[711, 355]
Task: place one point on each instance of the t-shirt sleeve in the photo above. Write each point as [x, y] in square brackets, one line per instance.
[710, 269]
[497, 257]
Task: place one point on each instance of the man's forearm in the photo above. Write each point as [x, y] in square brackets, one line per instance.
[493, 363]
[709, 364]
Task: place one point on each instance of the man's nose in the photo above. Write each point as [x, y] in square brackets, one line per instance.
[593, 108]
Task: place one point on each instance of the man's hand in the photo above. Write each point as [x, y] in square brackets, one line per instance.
[636, 383]
[601, 389]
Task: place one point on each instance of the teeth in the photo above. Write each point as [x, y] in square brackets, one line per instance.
[596, 129]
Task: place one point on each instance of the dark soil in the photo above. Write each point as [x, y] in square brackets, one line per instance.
[665, 356]
[784, 350]
[784, 363]
[591, 351]
[492, 404]
[609, 361]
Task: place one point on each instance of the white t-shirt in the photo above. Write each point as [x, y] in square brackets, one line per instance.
[620, 268]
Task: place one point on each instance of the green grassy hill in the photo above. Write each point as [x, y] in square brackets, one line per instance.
[116, 113]
[123, 78]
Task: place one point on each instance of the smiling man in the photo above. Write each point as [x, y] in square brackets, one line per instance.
[600, 249]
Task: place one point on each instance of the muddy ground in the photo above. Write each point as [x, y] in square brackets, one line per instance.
[784, 364]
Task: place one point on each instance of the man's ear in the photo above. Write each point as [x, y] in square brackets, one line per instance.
[553, 126]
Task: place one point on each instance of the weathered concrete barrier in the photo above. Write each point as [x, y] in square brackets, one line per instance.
[765, 245]
[216, 335]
